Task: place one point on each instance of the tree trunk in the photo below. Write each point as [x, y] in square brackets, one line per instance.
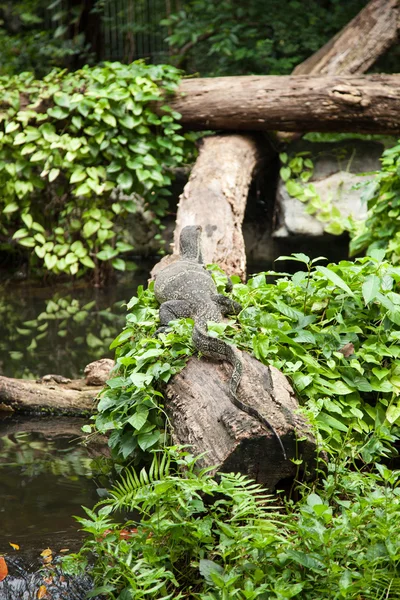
[202, 415]
[358, 45]
[215, 198]
[27, 396]
[363, 104]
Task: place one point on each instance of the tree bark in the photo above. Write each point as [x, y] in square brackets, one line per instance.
[358, 45]
[28, 396]
[202, 415]
[363, 104]
[215, 198]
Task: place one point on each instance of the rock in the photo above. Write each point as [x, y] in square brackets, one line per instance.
[52, 377]
[98, 372]
[338, 167]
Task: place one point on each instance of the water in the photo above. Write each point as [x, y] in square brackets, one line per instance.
[45, 478]
[60, 329]
[45, 475]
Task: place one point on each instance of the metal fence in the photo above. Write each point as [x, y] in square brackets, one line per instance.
[128, 29]
[131, 30]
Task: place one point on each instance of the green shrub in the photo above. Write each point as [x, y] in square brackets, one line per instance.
[66, 143]
[201, 538]
[332, 330]
[382, 226]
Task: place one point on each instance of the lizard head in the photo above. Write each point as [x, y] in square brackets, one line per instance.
[190, 243]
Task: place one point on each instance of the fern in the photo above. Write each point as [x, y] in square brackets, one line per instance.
[133, 489]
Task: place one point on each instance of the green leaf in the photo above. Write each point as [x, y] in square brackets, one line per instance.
[139, 419]
[27, 219]
[148, 440]
[50, 260]
[140, 380]
[207, 567]
[119, 264]
[10, 208]
[393, 413]
[57, 112]
[299, 257]
[93, 341]
[294, 189]
[370, 288]
[335, 279]
[101, 590]
[79, 174]
[306, 560]
[285, 173]
[20, 233]
[62, 99]
[29, 242]
[109, 119]
[125, 181]
[12, 126]
[107, 253]
[324, 419]
[87, 262]
[90, 227]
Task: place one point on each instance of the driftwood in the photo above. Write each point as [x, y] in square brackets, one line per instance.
[203, 416]
[215, 198]
[363, 104]
[54, 393]
[30, 396]
[358, 45]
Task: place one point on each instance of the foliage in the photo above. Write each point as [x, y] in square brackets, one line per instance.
[332, 330]
[382, 226]
[68, 141]
[234, 38]
[296, 171]
[214, 540]
[30, 39]
[130, 408]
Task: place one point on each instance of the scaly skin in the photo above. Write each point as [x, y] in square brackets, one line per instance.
[186, 289]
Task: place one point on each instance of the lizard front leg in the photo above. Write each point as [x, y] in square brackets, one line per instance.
[170, 310]
[226, 305]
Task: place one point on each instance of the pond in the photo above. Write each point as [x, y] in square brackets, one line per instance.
[60, 329]
[46, 476]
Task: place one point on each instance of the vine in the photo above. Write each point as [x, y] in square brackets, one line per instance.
[381, 193]
[67, 142]
[296, 172]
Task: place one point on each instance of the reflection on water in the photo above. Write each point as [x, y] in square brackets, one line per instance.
[61, 329]
[45, 478]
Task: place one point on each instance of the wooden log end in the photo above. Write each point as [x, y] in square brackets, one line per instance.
[202, 414]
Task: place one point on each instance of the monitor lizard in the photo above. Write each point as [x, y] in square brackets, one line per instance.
[185, 288]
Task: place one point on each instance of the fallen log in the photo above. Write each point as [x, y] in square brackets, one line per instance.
[55, 393]
[30, 396]
[215, 198]
[353, 49]
[202, 415]
[363, 104]
[358, 45]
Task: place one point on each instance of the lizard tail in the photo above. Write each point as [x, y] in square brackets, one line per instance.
[220, 350]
